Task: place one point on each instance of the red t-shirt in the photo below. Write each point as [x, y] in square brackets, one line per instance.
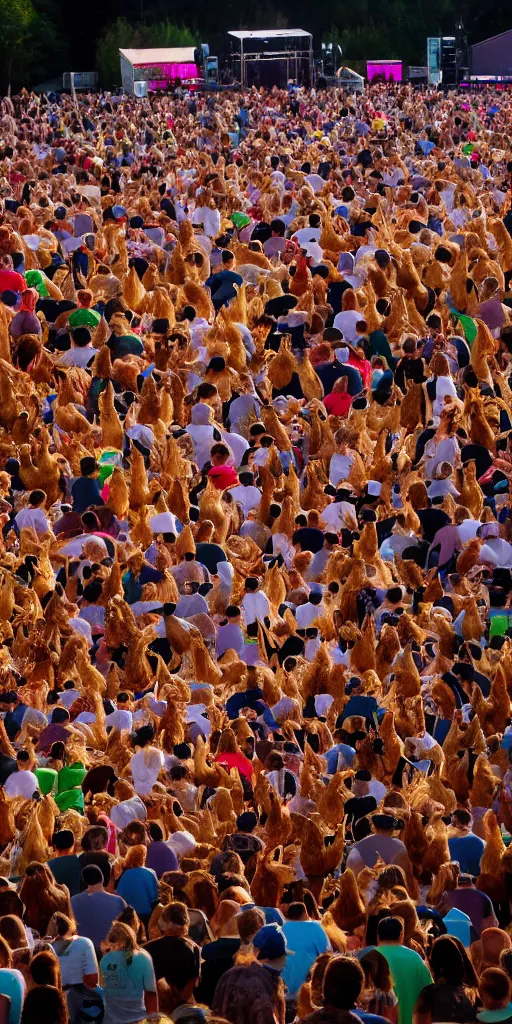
[11, 281]
[239, 761]
[223, 476]
[338, 403]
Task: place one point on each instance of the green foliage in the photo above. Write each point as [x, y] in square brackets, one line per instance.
[122, 34]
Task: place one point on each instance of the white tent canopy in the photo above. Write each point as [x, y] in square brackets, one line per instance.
[272, 33]
[160, 55]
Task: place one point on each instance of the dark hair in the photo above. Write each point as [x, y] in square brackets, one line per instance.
[36, 497]
[343, 981]
[63, 840]
[155, 832]
[88, 465]
[46, 1004]
[390, 929]
[45, 968]
[450, 962]
[296, 911]
[495, 984]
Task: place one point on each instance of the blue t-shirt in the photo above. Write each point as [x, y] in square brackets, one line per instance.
[467, 850]
[306, 940]
[124, 982]
[85, 491]
[13, 986]
[139, 887]
[94, 913]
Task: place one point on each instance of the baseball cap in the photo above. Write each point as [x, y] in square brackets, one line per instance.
[270, 942]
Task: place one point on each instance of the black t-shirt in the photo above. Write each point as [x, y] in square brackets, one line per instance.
[309, 538]
[481, 456]
[432, 520]
[358, 807]
[210, 555]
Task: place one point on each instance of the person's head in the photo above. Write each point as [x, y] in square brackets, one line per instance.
[61, 926]
[390, 931]
[36, 498]
[45, 969]
[270, 946]
[228, 259]
[343, 981]
[376, 971]
[85, 298]
[135, 857]
[80, 337]
[12, 930]
[461, 818]
[88, 465]
[174, 920]
[94, 839]
[92, 877]
[45, 1004]
[63, 842]
[450, 963]
[248, 923]
[297, 912]
[494, 988]
[122, 937]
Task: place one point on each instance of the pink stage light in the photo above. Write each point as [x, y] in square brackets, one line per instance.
[170, 72]
[392, 70]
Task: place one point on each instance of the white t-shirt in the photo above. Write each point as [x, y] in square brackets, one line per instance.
[346, 323]
[248, 497]
[76, 957]
[182, 844]
[32, 517]
[304, 235]
[22, 783]
[145, 767]
[339, 467]
[255, 606]
[315, 181]
[119, 719]
[305, 614]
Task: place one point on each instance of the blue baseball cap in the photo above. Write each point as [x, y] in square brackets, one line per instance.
[270, 942]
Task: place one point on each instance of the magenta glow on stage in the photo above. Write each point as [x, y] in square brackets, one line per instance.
[391, 69]
[170, 72]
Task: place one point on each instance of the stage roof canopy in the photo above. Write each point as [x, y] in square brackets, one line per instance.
[160, 55]
[272, 33]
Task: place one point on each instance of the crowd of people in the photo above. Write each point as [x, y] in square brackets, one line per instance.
[256, 557]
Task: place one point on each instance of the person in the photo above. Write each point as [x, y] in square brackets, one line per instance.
[159, 858]
[12, 984]
[409, 972]
[42, 896]
[465, 847]
[127, 977]
[255, 992]
[342, 985]
[471, 901]
[218, 956]
[495, 992]
[137, 884]
[381, 843]
[453, 993]
[177, 967]
[146, 764]
[306, 940]
[94, 910]
[78, 965]
[33, 516]
[85, 490]
[46, 1004]
[65, 866]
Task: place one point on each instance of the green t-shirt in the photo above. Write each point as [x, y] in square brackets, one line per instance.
[409, 974]
[84, 318]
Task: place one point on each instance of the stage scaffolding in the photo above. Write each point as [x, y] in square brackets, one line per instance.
[287, 51]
